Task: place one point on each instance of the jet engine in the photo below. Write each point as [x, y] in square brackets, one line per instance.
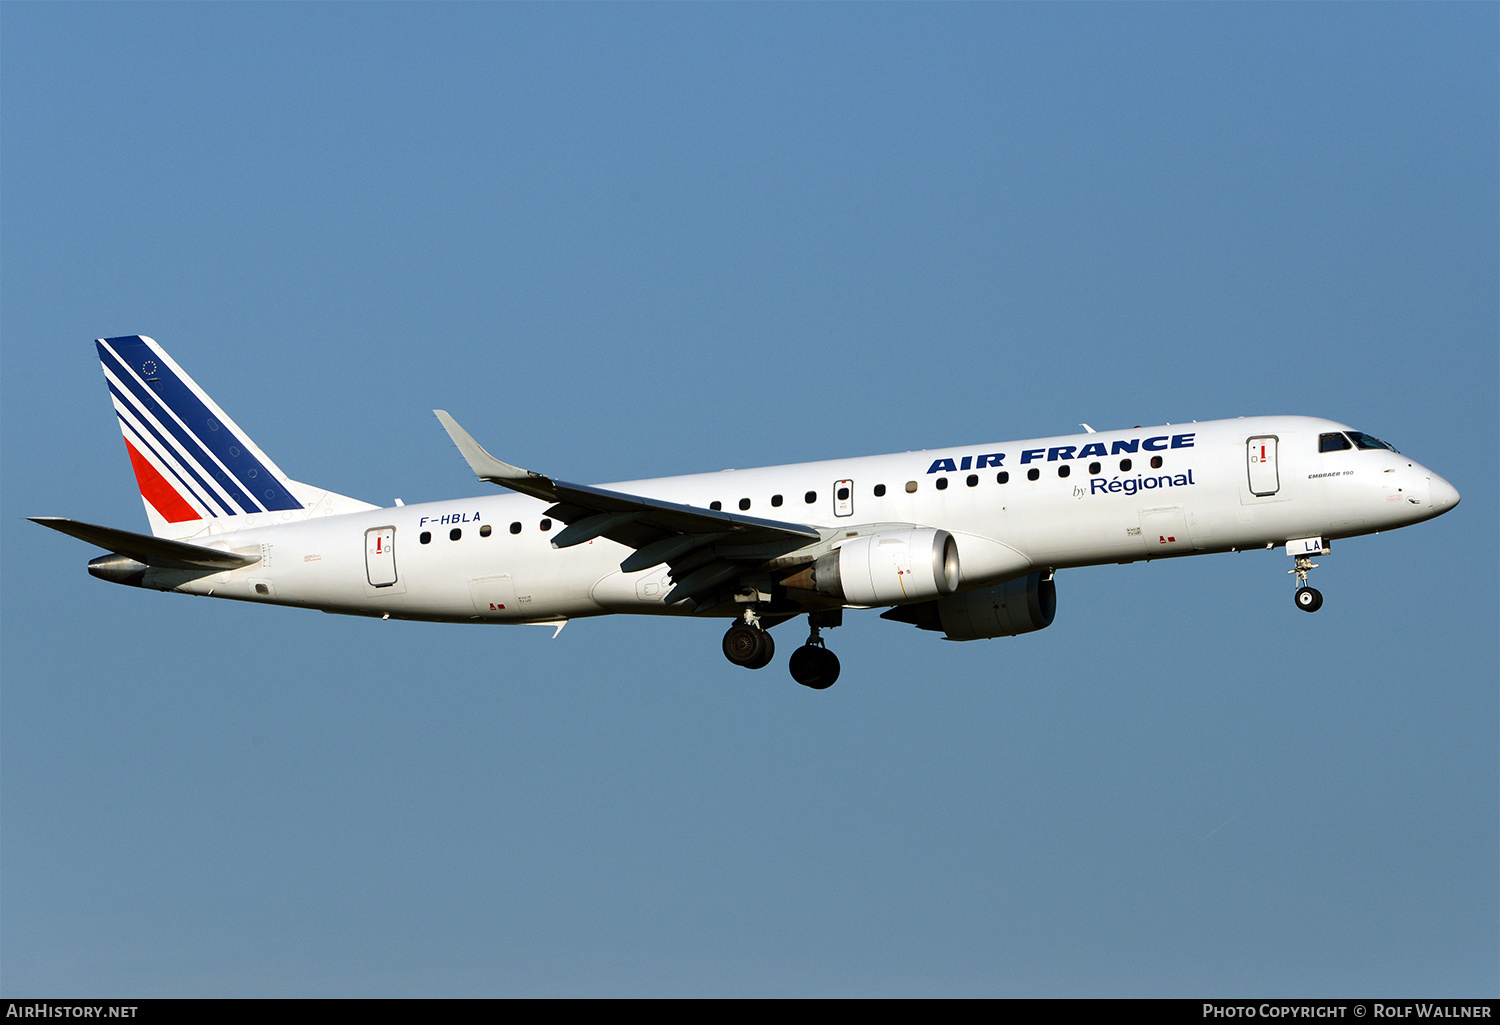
[885, 569]
[1015, 607]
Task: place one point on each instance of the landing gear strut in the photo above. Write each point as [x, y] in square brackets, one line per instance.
[747, 644]
[1308, 599]
[813, 665]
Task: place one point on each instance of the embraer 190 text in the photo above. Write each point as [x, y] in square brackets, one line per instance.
[961, 540]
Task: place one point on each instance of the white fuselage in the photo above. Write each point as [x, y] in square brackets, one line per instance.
[1220, 486]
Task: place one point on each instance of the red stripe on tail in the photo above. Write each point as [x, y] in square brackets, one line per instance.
[154, 487]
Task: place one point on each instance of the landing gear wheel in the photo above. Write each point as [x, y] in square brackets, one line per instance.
[1308, 599]
[767, 651]
[749, 646]
[814, 666]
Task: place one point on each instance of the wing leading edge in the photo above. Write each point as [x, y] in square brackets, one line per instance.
[703, 547]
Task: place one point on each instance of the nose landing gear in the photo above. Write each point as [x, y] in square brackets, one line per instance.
[1308, 599]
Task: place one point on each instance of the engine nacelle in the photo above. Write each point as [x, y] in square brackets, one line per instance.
[119, 569]
[886, 569]
[1015, 607]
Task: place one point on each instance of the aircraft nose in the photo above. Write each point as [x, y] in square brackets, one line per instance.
[1444, 495]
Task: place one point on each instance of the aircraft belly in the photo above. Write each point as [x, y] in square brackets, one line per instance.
[640, 592]
[1077, 531]
[983, 561]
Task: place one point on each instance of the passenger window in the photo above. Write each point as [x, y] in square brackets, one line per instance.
[716, 506]
[1125, 465]
[880, 491]
[1003, 477]
[843, 495]
[426, 537]
[1064, 470]
[810, 497]
[515, 528]
[744, 504]
[545, 524]
[1333, 443]
[973, 480]
[911, 487]
[1033, 473]
[1094, 468]
[455, 534]
[485, 531]
[776, 501]
[1156, 462]
[942, 484]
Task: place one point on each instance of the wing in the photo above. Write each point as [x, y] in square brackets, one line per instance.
[704, 547]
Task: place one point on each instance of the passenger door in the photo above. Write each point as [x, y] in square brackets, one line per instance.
[1260, 456]
[380, 556]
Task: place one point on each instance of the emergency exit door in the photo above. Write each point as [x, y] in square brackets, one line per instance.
[843, 498]
[380, 556]
[1260, 455]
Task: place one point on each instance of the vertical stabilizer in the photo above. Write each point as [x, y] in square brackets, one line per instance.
[196, 468]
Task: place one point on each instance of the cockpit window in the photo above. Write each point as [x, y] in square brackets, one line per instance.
[1333, 443]
[1365, 441]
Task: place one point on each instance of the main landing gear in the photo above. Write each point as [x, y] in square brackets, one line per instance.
[1308, 599]
[748, 644]
[813, 665]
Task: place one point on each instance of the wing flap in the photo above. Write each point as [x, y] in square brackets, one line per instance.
[670, 549]
[590, 527]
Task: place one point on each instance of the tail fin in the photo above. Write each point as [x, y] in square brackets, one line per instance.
[196, 468]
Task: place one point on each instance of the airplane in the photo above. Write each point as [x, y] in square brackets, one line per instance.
[963, 540]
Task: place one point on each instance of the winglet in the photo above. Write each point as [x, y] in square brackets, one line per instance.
[484, 465]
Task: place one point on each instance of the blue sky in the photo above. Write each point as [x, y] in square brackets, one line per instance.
[630, 240]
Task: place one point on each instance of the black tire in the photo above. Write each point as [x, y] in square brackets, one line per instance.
[767, 651]
[803, 664]
[814, 667]
[1308, 599]
[748, 646]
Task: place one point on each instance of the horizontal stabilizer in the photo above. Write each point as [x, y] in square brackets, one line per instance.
[152, 551]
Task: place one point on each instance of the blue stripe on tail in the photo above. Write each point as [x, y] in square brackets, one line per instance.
[204, 433]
